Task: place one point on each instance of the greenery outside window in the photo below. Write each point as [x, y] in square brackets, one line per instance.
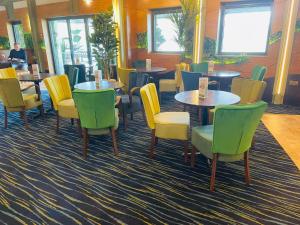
[164, 36]
[245, 27]
[18, 32]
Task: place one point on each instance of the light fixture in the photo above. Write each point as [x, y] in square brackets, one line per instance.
[88, 2]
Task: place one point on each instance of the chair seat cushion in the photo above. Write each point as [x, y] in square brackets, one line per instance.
[202, 139]
[172, 125]
[106, 131]
[131, 108]
[31, 101]
[67, 109]
[167, 85]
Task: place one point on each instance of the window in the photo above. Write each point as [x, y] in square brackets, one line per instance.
[69, 42]
[18, 32]
[164, 34]
[244, 27]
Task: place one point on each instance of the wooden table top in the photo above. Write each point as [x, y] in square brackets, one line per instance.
[214, 98]
[103, 84]
[33, 78]
[152, 70]
[223, 74]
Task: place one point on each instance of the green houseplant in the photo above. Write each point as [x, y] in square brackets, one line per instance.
[184, 20]
[104, 41]
[4, 43]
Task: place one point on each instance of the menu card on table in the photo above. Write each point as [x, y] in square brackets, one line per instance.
[98, 76]
[211, 66]
[35, 70]
[148, 64]
[203, 87]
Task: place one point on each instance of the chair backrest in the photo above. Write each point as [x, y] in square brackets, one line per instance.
[235, 126]
[258, 73]
[8, 73]
[10, 93]
[250, 91]
[190, 80]
[59, 88]
[137, 80]
[151, 103]
[199, 67]
[178, 75]
[123, 75]
[4, 65]
[73, 76]
[81, 73]
[96, 108]
[139, 64]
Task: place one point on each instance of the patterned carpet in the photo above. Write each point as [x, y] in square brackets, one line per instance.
[45, 180]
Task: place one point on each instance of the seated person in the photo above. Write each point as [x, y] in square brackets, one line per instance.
[18, 57]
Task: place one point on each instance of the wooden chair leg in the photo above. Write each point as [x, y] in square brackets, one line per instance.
[186, 151]
[5, 118]
[85, 142]
[79, 127]
[213, 172]
[72, 121]
[114, 140]
[184, 108]
[152, 144]
[57, 122]
[24, 117]
[156, 141]
[131, 116]
[253, 143]
[41, 108]
[193, 156]
[247, 168]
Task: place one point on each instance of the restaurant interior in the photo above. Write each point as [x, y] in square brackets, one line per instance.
[149, 112]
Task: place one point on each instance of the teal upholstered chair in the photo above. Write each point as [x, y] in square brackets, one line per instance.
[199, 67]
[73, 76]
[258, 73]
[139, 64]
[97, 114]
[229, 138]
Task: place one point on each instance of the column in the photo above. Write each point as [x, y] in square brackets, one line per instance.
[31, 6]
[285, 51]
[199, 32]
[120, 19]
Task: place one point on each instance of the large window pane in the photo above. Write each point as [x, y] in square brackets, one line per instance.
[79, 41]
[60, 41]
[245, 29]
[164, 33]
[18, 33]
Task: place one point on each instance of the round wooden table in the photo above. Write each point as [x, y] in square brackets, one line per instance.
[103, 84]
[214, 98]
[153, 70]
[223, 77]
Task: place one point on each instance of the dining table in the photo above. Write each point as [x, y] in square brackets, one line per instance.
[101, 85]
[214, 98]
[224, 77]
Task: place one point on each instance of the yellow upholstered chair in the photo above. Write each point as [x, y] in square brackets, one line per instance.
[61, 95]
[14, 101]
[250, 91]
[173, 85]
[164, 125]
[8, 73]
[123, 75]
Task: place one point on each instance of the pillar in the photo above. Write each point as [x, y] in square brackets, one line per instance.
[285, 51]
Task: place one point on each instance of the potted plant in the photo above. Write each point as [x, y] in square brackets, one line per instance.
[184, 20]
[104, 41]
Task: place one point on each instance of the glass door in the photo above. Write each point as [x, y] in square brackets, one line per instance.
[70, 44]
[61, 45]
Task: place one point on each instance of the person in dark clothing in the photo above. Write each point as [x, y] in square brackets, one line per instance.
[18, 57]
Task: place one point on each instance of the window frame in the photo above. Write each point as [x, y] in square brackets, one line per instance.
[155, 12]
[238, 5]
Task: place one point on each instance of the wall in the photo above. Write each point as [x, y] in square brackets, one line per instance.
[138, 23]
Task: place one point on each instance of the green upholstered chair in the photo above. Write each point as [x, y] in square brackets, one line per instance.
[258, 73]
[97, 114]
[199, 67]
[216, 143]
[131, 102]
[14, 101]
[139, 64]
